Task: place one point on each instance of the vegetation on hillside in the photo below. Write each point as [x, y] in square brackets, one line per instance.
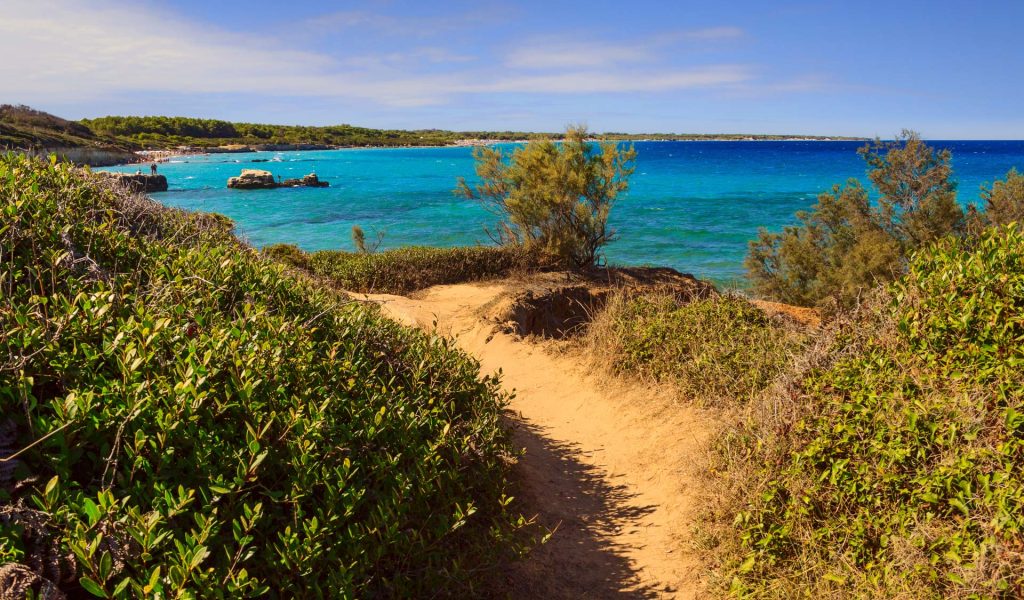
[406, 269]
[892, 465]
[553, 198]
[847, 244]
[164, 132]
[880, 456]
[24, 128]
[180, 417]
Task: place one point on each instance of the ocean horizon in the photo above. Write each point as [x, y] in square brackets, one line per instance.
[692, 206]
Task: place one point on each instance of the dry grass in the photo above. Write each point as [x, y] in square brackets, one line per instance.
[717, 350]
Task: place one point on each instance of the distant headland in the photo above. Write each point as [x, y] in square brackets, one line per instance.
[117, 140]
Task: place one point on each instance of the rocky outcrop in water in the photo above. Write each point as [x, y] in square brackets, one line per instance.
[310, 180]
[253, 179]
[138, 182]
[256, 179]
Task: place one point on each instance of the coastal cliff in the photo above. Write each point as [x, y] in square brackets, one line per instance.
[36, 133]
[84, 155]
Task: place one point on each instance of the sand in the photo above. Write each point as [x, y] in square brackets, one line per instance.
[611, 466]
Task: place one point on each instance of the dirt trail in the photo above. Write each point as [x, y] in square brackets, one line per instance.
[611, 465]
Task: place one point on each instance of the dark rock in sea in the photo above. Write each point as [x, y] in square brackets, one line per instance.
[138, 182]
[310, 180]
[253, 179]
[260, 160]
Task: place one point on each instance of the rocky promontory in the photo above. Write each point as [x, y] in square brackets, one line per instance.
[138, 182]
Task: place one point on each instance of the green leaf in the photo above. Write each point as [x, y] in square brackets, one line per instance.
[92, 587]
[91, 510]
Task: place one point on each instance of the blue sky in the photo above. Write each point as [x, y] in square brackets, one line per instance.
[947, 69]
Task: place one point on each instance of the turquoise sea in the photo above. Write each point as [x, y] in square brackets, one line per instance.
[692, 205]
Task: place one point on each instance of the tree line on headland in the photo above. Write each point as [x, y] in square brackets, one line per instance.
[163, 132]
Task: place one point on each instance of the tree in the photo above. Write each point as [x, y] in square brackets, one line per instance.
[553, 197]
[918, 195]
[845, 244]
[1004, 201]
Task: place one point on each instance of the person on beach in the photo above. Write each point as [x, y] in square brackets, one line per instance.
[152, 169]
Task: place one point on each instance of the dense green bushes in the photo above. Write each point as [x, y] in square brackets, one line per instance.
[714, 350]
[846, 244]
[895, 466]
[406, 269]
[169, 131]
[161, 132]
[182, 418]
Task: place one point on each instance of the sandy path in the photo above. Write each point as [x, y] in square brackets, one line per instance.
[611, 465]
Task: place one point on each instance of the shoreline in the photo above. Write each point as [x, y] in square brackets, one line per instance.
[165, 155]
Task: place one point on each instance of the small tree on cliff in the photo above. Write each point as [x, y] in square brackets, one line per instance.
[553, 197]
[844, 244]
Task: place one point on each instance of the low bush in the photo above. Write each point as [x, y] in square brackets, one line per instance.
[288, 254]
[715, 350]
[412, 268]
[180, 417]
[894, 465]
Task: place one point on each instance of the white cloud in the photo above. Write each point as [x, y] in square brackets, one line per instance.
[417, 56]
[603, 81]
[713, 33]
[555, 54]
[548, 52]
[59, 51]
[420, 26]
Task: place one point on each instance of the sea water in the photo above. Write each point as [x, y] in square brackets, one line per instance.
[693, 206]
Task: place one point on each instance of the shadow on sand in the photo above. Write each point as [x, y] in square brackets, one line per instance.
[581, 560]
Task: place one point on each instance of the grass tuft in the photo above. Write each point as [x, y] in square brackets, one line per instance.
[716, 350]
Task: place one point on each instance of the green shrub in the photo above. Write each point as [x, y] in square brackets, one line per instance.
[288, 254]
[413, 268]
[846, 245]
[1004, 201]
[194, 421]
[553, 198]
[716, 350]
[898, 471]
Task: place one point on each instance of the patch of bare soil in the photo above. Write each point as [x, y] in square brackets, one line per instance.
[611, 466]
[805, 316]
